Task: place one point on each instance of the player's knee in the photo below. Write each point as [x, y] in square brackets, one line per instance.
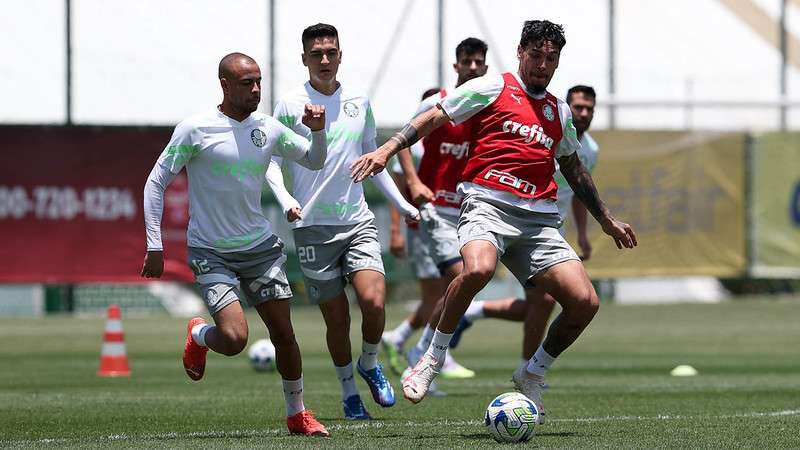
[479, 274]
[372, 307]
[234, 341]
[586, 304]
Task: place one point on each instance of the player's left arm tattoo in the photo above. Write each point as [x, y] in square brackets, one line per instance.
[580, 180]
[407, 136]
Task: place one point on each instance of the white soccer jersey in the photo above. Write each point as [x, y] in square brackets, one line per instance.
[225, 161]
[329, 196]
[588, 156]
[473, 96]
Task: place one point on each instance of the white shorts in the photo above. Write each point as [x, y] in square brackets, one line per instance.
[527, 242]
[424, 267]
[439, 233]
[329, 254]
[257, 275]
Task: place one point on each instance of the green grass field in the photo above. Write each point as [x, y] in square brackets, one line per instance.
[612, 389]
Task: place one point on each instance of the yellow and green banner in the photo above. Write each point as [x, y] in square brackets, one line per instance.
[684, 194]
[775, 213]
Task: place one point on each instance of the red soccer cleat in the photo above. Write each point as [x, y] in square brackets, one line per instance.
[305, 423]
[194, 356]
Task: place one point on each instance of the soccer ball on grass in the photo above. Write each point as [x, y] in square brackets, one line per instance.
[262, 355]
[511, 417]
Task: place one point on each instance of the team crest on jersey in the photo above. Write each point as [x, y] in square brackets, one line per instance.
[258, 137]
[350, 109]
[548, 112]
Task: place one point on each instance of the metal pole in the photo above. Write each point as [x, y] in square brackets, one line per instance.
[271, 55]
[68, 40]
[440, 43]
[784, 51]
[612, 89]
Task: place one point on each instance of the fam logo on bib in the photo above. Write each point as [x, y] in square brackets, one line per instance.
[350, 109]
[258, 137]
[548, 112]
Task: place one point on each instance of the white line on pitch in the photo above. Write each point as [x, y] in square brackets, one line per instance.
[378, 425]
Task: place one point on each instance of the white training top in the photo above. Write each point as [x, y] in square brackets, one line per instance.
[588, 156]
[476, 94]
[225, 161]
[329, 196]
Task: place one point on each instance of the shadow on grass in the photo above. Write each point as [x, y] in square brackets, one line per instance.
[487, 437]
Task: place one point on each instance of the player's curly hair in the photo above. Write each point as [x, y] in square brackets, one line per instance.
[540, 31]
[317, 31]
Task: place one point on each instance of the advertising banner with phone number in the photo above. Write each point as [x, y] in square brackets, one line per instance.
[71, 205]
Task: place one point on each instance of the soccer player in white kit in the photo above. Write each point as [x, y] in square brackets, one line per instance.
[509, 210]
[334, 233]
[232, 249]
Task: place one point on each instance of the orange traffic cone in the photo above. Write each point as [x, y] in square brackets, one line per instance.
[113, 357]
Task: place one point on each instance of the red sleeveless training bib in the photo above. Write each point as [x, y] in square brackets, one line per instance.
[514, 143]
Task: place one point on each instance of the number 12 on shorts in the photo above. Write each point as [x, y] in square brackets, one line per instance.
[200, 266]
[306, 254]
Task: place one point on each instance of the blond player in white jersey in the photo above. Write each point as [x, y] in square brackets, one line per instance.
[232, 250]
[334, 231]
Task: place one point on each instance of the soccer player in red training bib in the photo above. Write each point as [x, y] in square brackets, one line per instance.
[509, 208]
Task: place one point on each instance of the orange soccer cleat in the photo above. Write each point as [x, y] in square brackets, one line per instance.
[305, 423]
[194, 356]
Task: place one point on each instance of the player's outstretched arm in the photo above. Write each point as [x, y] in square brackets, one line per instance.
[582, 184]
[420, 126]
[387, 186]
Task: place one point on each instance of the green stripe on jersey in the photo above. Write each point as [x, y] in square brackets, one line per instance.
[181, 153]
[287, 119]
[477, 98]
[239, 241]
[341, 134]
[370, 123]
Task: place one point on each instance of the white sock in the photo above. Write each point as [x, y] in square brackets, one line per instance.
[439, 345]
[401, 334]
[199, 333]
[426, 338]
[474, 311]
[293, 394]
[369, 355]
[540, 362]
[345, 375]
[523, 364]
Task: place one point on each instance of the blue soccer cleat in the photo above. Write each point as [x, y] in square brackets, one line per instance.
[354, 409]
[463, 324]
[382, 391]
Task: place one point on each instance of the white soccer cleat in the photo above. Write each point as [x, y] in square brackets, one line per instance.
[433, 389]
[418, 381]
[530, 386]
